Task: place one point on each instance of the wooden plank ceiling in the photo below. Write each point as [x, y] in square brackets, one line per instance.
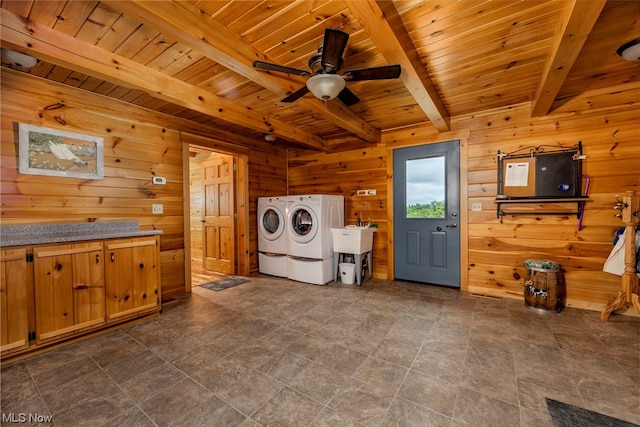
[193, 59]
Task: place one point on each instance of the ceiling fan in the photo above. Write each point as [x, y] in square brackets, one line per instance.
[325, 82]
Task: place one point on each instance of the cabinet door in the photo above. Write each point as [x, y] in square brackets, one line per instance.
[14, 323]
[132, 277]
[69, 289]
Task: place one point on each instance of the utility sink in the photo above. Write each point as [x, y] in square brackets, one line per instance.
[353, 239]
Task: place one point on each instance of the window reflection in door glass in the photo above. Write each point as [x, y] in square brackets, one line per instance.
[425, 188]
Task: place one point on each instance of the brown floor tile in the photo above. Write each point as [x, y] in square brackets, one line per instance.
[278, 352]
[175, 402]
[342, 359]
[438, 366]
[318, 382]
[284, 366]
[250, 392]
[133, 417]
[380, 373]
[395, 352]
[211, 413]
[429, 392]
[331, 418]
[405, 413]
[287, 408]
[615, 400]
[476, 409]
[148, 384]
[362, 403]
[310, 347]
[490, 383]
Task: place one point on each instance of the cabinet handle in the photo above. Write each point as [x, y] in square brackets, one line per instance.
[97, 258]
[113, 257]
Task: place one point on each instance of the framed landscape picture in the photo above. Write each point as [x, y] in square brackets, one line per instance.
[52, 152]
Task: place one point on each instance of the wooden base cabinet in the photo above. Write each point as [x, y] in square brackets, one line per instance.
[14, 301]
[69, 289]
[54, 293]
[132, 276]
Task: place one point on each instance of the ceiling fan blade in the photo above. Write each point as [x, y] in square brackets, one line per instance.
[333, 46]
[280, 68]
[347, 97]
[373, 73]
[296, 95]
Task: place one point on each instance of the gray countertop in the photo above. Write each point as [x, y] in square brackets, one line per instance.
[36, 234]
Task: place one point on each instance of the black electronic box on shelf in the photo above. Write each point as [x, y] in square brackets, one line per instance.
[541, 177]
[540, 174]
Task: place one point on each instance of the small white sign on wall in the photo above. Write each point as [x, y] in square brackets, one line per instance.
[517, 175]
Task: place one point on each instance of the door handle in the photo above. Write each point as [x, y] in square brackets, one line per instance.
[453, 225]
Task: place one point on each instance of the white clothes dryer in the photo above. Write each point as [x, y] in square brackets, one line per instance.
[272, 238]
[309, 239]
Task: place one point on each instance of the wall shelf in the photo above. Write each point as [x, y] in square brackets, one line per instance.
[579, 201]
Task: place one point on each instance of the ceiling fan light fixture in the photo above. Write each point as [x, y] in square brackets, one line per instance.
[18, 59]
[630, 51]
[326, 86]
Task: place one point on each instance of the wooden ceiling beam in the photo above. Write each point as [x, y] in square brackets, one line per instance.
[190, 26]
[220, 139]
[63, 50]
[384, 26]
[574, 27]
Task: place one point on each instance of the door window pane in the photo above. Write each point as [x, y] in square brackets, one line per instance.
[425, 188]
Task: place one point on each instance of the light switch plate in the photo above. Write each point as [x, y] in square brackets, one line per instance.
[476, 206]
[371, 192]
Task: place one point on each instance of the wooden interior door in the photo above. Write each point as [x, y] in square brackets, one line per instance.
[218, 228]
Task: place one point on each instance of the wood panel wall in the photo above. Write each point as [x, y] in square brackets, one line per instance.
[496, 251]
[343, 174]
[611, 141]
[139, 144]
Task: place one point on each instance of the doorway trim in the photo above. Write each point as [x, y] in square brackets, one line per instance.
[422, 136]
[241, 202]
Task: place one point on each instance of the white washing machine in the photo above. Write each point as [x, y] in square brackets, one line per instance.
[272, 235]
[309, 239]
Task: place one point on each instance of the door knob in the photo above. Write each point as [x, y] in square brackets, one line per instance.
[454, 225]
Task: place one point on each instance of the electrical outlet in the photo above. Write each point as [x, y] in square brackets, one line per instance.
[476, 206]
[371, 192]
[157, 208]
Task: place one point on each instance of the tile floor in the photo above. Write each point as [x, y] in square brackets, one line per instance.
[273, 352]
